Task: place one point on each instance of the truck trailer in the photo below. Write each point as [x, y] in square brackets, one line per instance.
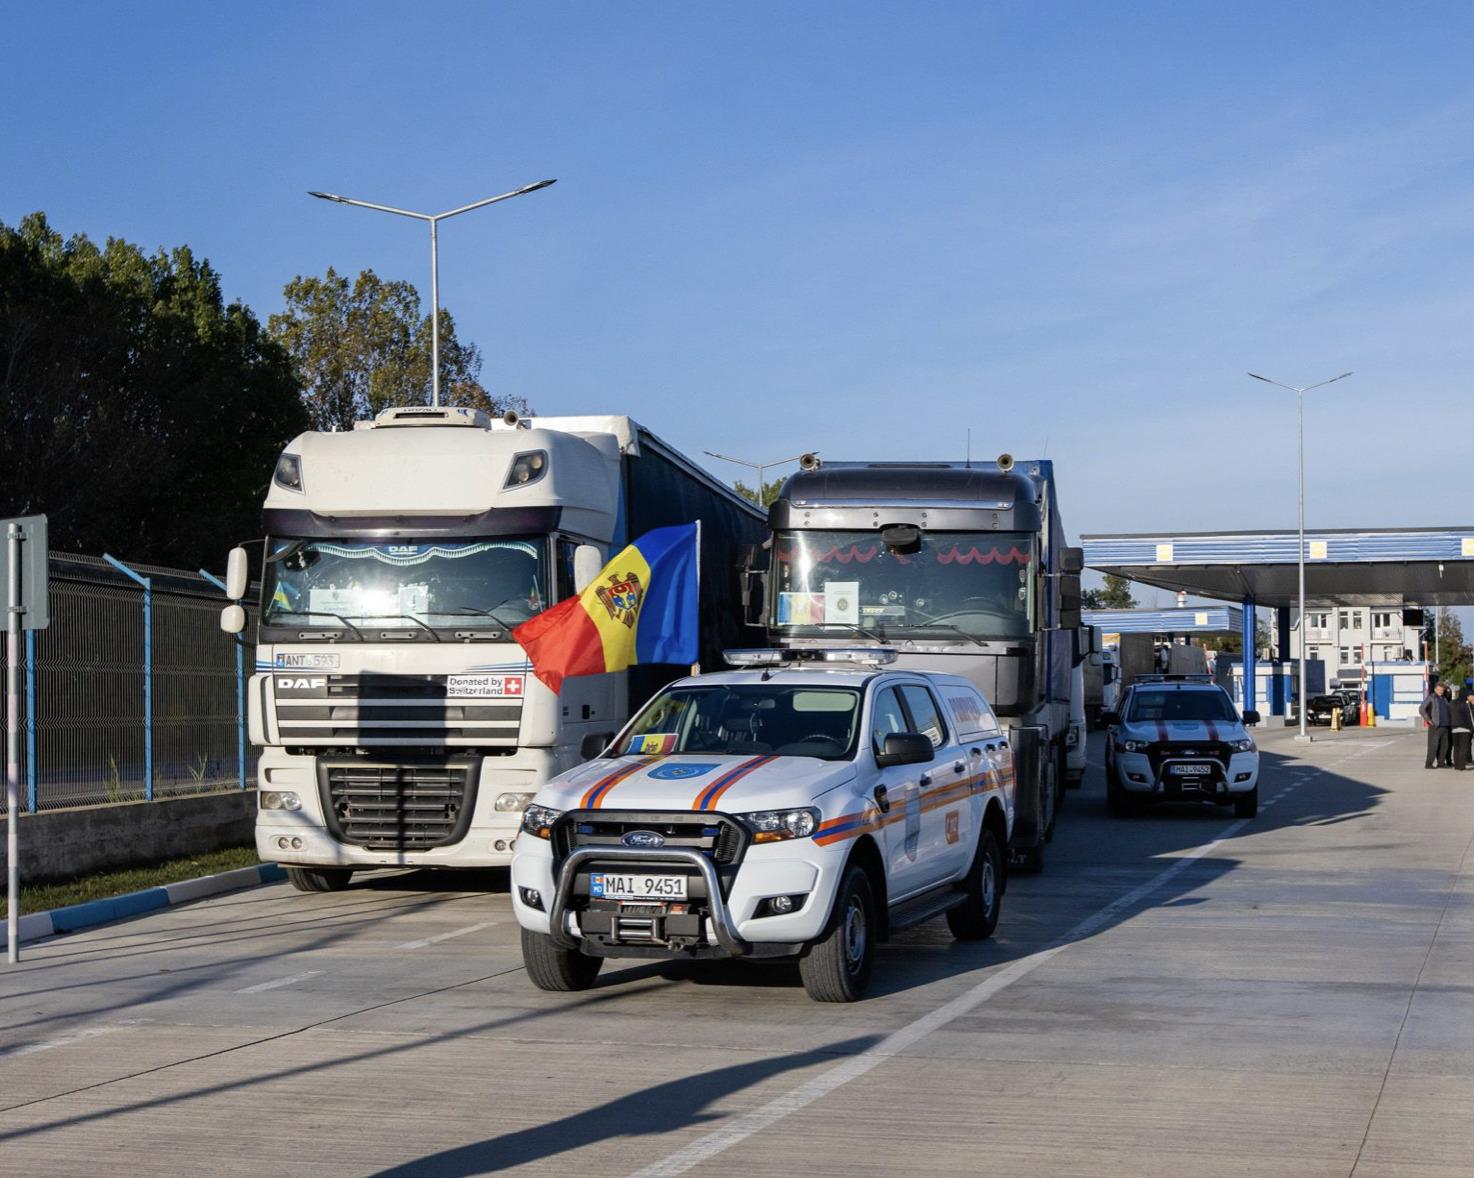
[398, 720]
[959, 567]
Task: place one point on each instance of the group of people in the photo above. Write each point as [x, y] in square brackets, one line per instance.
[1450, 722]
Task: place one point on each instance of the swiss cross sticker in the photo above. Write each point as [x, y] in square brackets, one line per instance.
[514, 684]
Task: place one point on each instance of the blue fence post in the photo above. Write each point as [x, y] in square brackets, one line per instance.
[240, 692]
[1251, 655]
[148, 672]
[31, 721]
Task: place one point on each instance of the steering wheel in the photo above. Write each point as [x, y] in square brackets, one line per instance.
[825, 736]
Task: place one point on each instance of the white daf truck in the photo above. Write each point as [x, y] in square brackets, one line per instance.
[398, 720]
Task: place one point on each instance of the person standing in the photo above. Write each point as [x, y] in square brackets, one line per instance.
[1437, 711]
[1463, 728]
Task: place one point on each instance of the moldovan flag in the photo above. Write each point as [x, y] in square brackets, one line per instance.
[640, 609]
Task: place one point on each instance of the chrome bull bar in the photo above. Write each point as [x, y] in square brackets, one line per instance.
[721, 917]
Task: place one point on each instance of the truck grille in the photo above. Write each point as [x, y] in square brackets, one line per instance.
[398, 807]
[403, 711]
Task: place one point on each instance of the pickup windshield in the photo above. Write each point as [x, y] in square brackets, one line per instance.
[748, 720]
[1212, 704]
[465, 584]
[978, 583]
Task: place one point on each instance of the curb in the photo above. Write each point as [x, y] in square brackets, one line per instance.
[76, 917]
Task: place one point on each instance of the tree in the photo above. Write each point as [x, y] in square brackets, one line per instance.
[138, 410]
[1234, 643]
[1114, 594]
[1455, 659]
[362, 347]
[769, 495]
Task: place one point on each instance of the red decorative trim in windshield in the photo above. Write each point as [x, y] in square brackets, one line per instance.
[992, 556]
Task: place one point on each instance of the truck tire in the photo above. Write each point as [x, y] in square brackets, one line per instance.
[319, 879]
[1246, 805]
[1054, 791]
[550, 967]
[1031, 860]
[976, 919]
[837, 967]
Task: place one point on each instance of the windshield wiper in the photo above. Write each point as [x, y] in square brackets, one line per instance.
[312, 613]
[974, 639]
[485, 613]
[872, 635]
[425, 626]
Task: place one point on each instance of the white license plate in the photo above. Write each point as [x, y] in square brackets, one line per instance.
[605, 886]
[1192, 770]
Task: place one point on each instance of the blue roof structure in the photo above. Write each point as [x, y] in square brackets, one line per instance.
[1390, 566]
[1188, 619]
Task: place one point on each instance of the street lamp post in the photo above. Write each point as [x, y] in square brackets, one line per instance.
[1299, 391]
[757, 466]
[434, 220]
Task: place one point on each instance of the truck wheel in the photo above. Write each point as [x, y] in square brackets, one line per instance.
[976, 919]
[1055, 793]
[319, 879]
[1246, 805]
[837, 967]
[553, 968]
[1030, 861]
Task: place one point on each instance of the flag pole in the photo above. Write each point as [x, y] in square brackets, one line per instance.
[696, 667]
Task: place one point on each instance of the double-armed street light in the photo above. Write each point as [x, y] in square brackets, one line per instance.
[434, 220]
[760, 467]
[1299, 391]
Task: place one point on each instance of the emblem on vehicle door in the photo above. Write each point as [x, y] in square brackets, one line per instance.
[644, 840]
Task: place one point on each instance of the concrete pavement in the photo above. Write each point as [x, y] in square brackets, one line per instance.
[1178, 993]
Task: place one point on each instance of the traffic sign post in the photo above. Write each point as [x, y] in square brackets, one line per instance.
[23, 568]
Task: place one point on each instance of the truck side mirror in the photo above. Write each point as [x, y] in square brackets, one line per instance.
[237, 574]
[1071, 560]
[905, 748]
[754, 596]
[1069, 601]
[233, 619]
[587, 562]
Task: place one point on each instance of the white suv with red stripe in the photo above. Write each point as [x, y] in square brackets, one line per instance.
[1178, 738]
[795, 811]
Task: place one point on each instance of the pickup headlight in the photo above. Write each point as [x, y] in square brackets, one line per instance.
[538, 821]
[1246, 745]
[505, 803]
[1135, 746]
[774, 826]
[280, 799]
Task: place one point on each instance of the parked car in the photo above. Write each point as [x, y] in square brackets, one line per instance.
[802, 810]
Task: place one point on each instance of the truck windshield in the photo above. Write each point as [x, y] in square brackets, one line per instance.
[979, 583]
[784, 720]
[467, 584]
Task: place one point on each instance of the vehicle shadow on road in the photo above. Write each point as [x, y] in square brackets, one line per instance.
[676, 1105]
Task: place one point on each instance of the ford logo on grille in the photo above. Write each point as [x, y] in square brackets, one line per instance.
[644, 840]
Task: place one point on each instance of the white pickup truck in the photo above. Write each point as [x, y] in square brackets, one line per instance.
[805, 809]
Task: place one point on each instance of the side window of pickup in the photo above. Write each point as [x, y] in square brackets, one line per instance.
[886, 718]
[925, 715]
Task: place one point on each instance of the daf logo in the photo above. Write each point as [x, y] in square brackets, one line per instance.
[300, 684]
[644, 840]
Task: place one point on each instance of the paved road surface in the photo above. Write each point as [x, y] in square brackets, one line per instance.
[1180, 994]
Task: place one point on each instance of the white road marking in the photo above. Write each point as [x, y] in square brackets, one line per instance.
[276, 983]
[68, 1040]
[459, 932]
[742, 1127]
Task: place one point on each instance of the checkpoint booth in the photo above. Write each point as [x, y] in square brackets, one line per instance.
[1391, 568]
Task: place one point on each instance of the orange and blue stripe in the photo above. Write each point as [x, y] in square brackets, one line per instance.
[593, 798]
[708, 798]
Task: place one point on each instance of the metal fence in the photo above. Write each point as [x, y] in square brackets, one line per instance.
[132, 692]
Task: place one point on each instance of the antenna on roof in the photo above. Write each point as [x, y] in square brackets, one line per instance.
[968, 461]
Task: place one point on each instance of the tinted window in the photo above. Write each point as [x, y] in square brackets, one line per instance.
[924, 714]
[886, 718]
[1181, 705]
[747, 720]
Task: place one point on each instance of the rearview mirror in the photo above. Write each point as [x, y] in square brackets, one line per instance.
[237, 573]
[905, 748]
[1069, 601]
[1251, 717]
[233, 619]
[587, 561]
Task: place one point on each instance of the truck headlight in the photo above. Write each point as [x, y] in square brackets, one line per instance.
[288, 472]
[278, 799]
[538, 821]
[774, 826]
[1246, 745]
[508, 802]
[1136, 746]
[527, 467]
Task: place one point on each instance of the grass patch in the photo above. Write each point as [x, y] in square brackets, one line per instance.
[103, 885]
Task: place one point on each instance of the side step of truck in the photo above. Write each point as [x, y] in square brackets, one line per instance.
[927, 906]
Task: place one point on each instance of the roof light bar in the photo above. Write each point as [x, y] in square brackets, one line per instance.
[769, 657]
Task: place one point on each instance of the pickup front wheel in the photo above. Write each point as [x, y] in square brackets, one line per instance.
[837, 968]
[552, 968]
[976, 917]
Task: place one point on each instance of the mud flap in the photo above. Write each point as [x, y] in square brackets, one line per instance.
[1033, 808]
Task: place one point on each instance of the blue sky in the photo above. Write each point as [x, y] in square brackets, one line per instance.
[863, 229]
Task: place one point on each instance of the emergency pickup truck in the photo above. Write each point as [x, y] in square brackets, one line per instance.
[805, 806]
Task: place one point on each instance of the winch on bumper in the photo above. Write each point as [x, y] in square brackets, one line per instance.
[730, 887]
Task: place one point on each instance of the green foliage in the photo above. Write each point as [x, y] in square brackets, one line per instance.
[769, 495]
[362, 347]
[1455, 659]
[1114, 594]
[138, 410]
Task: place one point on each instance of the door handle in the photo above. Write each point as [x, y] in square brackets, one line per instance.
[925, 780]
[958, 767]
[975, 752]
[882, 799]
